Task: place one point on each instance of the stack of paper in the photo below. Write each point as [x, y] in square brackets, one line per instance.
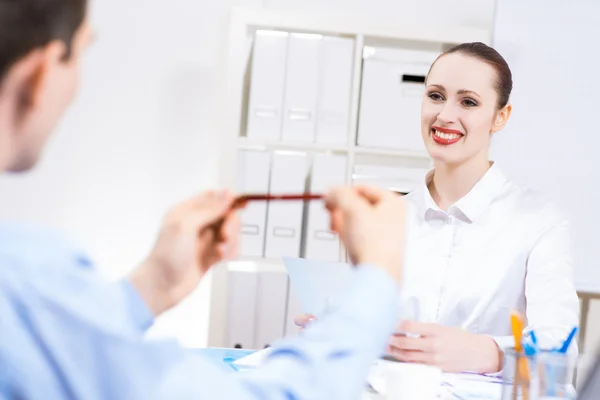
[471, 387]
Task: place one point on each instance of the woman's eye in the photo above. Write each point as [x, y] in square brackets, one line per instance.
[469, 103]
[436, 96]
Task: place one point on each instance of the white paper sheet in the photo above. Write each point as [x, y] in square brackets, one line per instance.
[454, 386]
[472, 387]
[255, 359]
[317, 283]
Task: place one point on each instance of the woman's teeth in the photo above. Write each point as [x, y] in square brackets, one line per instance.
[446, 136]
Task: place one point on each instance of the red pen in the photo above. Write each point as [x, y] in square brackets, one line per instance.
[242, 200]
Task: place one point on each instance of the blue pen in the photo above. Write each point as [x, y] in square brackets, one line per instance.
[533, 338]
[567, 342]
[530, 346]
[551, 370]
[530, 350]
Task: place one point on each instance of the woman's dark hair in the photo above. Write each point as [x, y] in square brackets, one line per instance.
[489, 55]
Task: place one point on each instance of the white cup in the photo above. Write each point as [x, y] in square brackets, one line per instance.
[406, 381]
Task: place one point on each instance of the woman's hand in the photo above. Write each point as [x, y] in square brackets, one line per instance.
[451, 349]
[304, 320]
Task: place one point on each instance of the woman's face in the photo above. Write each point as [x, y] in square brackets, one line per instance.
[459, 110]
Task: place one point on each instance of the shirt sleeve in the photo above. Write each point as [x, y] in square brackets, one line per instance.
[552, 305]
[72, 336]
[552, 302]
[330, 360]
[140, 314]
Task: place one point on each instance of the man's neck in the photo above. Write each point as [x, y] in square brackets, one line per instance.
[6, 143]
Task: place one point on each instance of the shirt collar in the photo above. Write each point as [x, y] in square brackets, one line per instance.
[474, 203]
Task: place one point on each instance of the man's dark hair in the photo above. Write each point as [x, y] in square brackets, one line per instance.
[26, 25]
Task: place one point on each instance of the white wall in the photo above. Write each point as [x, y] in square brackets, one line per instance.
[140, 136]
[558, 159]
[142, 133]
[474, 13]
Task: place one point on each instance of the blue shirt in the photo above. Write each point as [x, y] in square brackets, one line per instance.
[66, 334]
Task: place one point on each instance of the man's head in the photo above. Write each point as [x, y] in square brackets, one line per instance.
[41, 42]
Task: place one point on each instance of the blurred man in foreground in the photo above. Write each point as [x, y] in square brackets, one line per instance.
[66, 334]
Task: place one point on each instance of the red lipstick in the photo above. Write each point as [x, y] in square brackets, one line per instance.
[445, 140]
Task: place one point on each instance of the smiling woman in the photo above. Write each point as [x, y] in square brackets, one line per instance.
[478, 245]
[466, 101]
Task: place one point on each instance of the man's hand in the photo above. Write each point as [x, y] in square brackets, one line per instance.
[371, 223]
[195, 235]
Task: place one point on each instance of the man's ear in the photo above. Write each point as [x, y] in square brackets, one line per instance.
[26, 78]
[502, 118]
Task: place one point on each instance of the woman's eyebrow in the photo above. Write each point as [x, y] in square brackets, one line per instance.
[467, 91]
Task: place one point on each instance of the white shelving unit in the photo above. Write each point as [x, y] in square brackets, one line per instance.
[365, 32]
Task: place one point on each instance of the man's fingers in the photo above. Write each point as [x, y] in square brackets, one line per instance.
[372, 194]
[227, 251]
[349, 198]
[345, 199]
[338, 198]
[209, 208]
[336, 221]
[230, 227]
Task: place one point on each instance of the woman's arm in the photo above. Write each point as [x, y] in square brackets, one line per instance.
[552, 302]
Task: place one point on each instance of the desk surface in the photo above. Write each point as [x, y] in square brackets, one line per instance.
[468, 385]
[375, 396]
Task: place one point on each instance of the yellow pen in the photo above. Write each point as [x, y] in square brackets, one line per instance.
[522, 376]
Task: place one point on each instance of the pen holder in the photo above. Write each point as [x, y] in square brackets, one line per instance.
[556, 375]
[544, 375]
[519, 376]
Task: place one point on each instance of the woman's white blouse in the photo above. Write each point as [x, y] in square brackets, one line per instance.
[501, 247]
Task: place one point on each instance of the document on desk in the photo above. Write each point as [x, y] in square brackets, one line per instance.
[463, 386]
[318, 283]
[255, 359]
[468, 386]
